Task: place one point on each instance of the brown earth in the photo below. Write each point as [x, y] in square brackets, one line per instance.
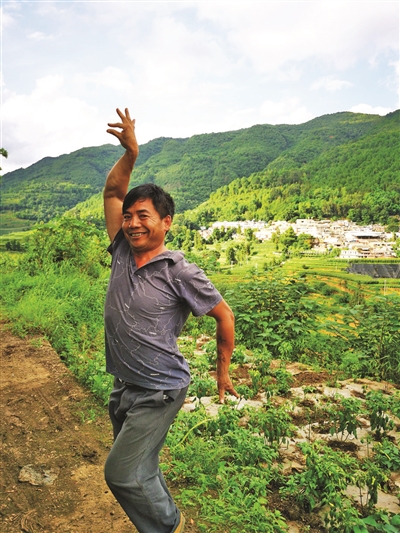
[55, 439]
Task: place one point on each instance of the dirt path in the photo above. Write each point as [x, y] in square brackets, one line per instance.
[54, 447]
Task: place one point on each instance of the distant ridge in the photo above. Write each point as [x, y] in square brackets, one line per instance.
[343, 150]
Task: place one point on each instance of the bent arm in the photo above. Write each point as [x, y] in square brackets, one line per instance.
[117, 181]
[225, 344]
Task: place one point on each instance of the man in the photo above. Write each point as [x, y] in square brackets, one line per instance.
[151, 292]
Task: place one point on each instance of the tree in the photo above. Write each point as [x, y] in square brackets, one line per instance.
[305, 241]
[393, 225]
[275, 238]
[249, 234]
[396, 247]
[231, 254]
[198, 241]
[288, 238]
[4, 153]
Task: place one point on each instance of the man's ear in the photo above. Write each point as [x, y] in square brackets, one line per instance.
[167, 223]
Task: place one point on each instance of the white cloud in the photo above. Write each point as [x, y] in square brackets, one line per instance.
[47, 123]
[288, 111]
[110, 77]
[269, 34]
[370, 110]
[7, 19]
[330, 84]
[39, 36]
[172, 56]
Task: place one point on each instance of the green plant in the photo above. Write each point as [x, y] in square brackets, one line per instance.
[387, 455]
[274, 423]
[273, 311]
[344, 417]
[371, 477]
[202, 385]
[284, 380]
[240, 354]
[378, 404]
[370, 333]
[379, 522]
[342, 516]
[327, 474]
[236, 472]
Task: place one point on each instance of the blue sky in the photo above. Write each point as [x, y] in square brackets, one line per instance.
[185, 68]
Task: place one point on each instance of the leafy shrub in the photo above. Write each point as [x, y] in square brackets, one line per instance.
[271, 313]
[327, 473]
[387, 455]
[70, 240]
[344, 417]
[272, 422]
[378, 404]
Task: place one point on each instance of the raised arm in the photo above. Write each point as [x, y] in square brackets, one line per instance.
[225, 344]
[117, 182]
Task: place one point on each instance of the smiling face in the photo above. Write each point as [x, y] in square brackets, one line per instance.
[144, 228]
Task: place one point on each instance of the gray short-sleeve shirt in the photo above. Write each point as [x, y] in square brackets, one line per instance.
[145, 311]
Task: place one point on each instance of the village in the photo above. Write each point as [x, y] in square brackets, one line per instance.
[354, 241]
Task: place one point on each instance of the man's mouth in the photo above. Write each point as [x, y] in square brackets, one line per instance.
[137, 234]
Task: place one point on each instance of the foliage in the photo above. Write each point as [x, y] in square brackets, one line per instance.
[344, 418]
[72, 241]
[273, 423]
[370, 333]
[327, 473]
[206, 261]
[379, 522]
[237, 465]
[4, 153]
[273, 314]
[57, 288]
[378, 405]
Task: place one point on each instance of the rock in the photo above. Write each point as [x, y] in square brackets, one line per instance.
[36, 476]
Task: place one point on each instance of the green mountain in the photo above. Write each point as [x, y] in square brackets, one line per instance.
[358, 179]
[54, 185]
[329, 166]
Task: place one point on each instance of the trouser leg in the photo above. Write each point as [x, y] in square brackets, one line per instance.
[141, 421]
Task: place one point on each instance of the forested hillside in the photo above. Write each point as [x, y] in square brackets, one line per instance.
[359, 179]
[54, 185]
[338, 165]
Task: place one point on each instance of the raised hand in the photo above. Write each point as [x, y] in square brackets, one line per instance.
[126, 132]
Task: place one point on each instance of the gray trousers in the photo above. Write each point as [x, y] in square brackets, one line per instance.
[141, 419]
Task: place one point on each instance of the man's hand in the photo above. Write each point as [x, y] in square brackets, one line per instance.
[117, 182]
[126, 136]
[225, 385]
[225, 344]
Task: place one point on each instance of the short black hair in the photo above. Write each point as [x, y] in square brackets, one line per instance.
[162, 200]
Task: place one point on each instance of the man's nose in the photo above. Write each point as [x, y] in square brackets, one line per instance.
[133, 222]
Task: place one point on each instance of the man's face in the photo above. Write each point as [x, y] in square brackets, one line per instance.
[143, 227]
